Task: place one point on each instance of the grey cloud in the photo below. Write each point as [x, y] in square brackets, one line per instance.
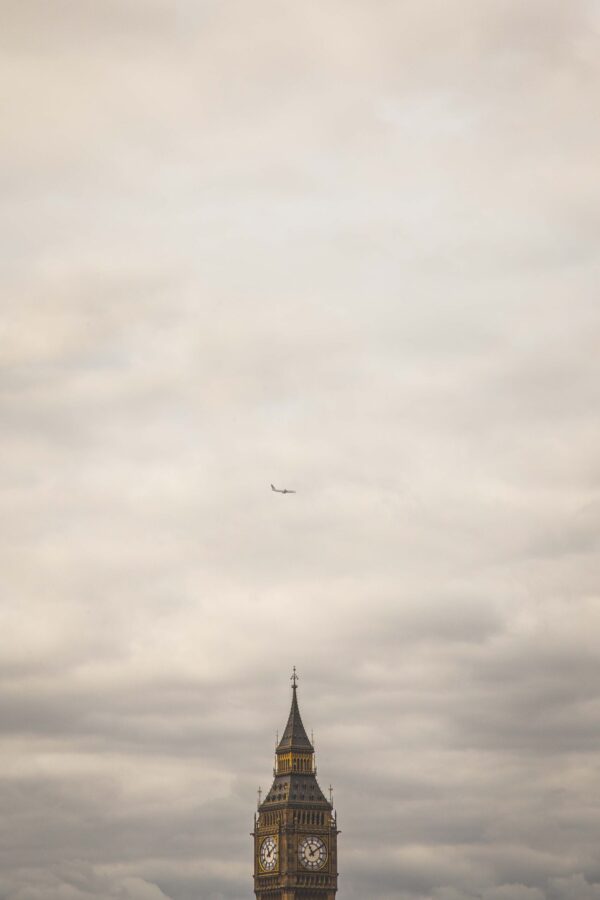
[79, 881]
[347, 249]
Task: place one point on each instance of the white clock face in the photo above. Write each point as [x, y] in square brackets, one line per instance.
[313, 853]
[268, 854]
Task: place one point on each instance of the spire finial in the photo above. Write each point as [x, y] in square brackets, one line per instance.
[331, 795]
[259, 792]
[294, 679]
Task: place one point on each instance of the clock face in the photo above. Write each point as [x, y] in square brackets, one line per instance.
[313, 853]
[268, 854]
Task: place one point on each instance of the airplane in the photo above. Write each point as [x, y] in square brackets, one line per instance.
[279, 491]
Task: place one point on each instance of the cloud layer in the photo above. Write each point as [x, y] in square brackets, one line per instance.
[352, 249]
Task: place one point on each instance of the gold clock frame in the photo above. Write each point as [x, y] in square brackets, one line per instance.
[265, 837]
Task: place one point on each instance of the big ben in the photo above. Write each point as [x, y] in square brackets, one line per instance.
[295, 828]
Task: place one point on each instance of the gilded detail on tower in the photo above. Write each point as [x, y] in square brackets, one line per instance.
[295, 827]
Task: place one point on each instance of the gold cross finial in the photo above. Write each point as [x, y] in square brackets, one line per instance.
[294, 679]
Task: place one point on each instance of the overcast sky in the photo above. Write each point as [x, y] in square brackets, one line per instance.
[351, 248]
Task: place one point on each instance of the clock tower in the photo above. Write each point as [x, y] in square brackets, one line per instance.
[295, 828]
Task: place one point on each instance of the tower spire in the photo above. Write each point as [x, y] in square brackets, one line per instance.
[294, 736]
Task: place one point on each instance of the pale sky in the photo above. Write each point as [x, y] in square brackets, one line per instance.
[351, 248]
